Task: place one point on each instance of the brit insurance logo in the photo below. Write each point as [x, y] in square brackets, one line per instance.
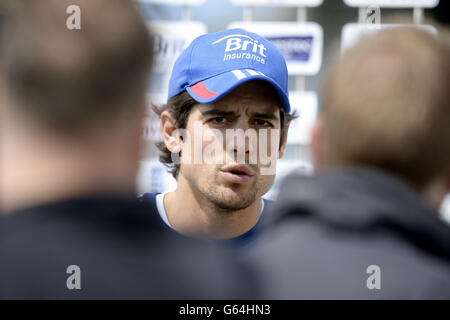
[241, 46]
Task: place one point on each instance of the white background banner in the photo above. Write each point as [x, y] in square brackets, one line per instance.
[300, 43]
[393, 3]
[169, 42]
[278, 3]
[175, 2]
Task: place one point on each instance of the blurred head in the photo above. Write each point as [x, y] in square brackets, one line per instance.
[386, 104]
[73, 99]
[249, 109]
[75, 82]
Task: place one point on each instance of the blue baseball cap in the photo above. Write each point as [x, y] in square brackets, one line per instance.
[216, 63]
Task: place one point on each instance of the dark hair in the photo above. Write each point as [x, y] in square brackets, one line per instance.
[179, 108]
[70, 80]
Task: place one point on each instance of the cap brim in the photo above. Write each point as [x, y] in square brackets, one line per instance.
[214, 88]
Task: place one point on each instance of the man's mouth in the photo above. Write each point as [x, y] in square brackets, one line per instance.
[237, 173]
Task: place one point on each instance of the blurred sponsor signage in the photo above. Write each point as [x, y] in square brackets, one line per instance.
[300, 43]
[170, 38]
[175, 2]
[393, 3]
[153, 177]
[278, 3]
[305, 104]
[151, 128]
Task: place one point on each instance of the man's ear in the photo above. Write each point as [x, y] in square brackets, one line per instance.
[168, 128]
[317, 144]
[284, 142]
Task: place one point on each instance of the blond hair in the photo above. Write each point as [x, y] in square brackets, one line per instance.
[386, 103]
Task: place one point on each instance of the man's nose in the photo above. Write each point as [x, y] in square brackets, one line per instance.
[242, 143]
[242, 123]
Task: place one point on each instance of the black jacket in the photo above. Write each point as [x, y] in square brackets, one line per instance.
[122, 250]
[327, 230]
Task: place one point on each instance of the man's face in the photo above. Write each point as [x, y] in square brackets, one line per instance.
[231, 172]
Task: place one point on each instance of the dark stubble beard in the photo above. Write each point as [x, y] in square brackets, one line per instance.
[241, 200]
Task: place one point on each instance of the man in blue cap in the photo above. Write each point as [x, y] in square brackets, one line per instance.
[224, 126]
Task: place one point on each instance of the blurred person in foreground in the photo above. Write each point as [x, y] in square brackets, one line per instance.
[367, 227]
[74, 102]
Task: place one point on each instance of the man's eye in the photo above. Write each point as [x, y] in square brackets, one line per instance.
[219, 120]
[262, 123]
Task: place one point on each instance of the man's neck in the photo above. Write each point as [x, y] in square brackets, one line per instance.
[46, 171]
[192, 215]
